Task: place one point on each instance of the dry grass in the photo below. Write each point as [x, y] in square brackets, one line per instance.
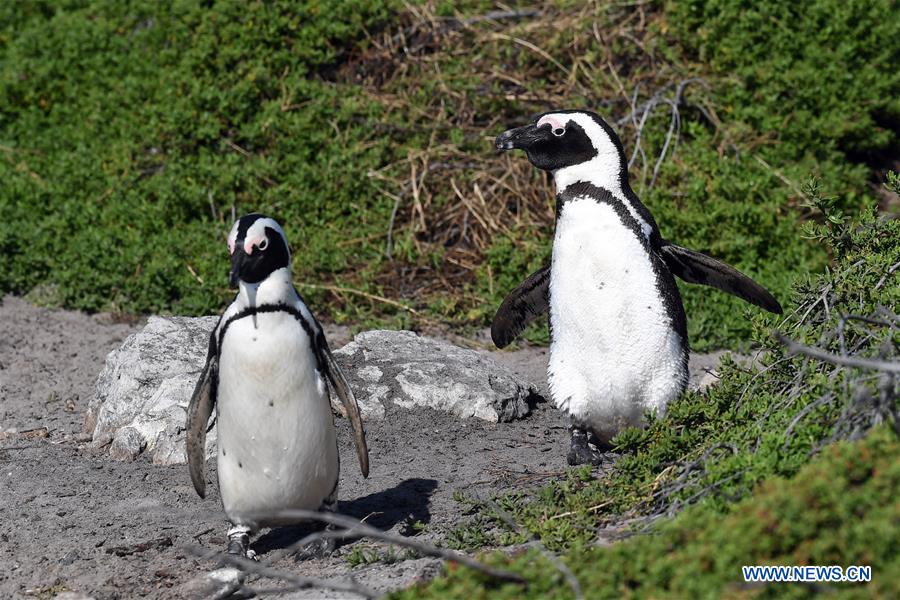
[455, 195]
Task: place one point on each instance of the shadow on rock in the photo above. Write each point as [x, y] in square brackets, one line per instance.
[406, 504]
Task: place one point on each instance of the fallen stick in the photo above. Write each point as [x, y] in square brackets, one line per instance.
[354, 528]
[297, 582]
[844, 361]
[338, 289]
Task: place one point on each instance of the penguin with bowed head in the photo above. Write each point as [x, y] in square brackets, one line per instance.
[267, 376]
[619, 345]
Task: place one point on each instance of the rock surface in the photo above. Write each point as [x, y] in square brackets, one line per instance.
[401, 368]
[144, 390]
[219, 583]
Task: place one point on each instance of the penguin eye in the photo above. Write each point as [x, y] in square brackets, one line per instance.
[263, 244]
[559, 131]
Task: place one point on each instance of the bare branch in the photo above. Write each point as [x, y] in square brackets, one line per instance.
[389, 246]
[297, 582]
[655, 99]
[346, 290]
[566, 572]
[499, 15]
[356, 529]
[674, 131]
[645, 109]
[890, 272]
[844, 361]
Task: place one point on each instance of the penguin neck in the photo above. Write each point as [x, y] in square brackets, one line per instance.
[603, 171]
[277, 288]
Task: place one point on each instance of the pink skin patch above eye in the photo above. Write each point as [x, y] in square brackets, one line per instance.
[254, 241]
[554, 122]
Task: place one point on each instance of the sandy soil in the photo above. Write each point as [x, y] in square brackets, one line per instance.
[73, 519]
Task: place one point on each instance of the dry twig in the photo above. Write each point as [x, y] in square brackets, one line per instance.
[356, 529]
[535, 541]
[845, 361]
[296, 582]
[376, 298]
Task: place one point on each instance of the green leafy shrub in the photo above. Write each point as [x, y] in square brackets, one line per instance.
[130, 131]
[814, 80]
[840, 510]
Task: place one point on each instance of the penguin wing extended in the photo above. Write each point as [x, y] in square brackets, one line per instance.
[199, 410]
[336, 377]
[522, 306]
[695, 267]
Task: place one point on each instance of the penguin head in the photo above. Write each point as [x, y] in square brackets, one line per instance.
[574, 145]
[258, 247]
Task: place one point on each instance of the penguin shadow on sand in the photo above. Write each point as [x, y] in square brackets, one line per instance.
[407, 504]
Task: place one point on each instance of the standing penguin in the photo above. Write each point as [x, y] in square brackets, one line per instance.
[619, 342]
[267, 375]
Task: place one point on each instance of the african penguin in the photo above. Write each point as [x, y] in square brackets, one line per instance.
[619, 344]
[267, 376]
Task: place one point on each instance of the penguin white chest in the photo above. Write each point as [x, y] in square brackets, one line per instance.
[277, 444]
[614, 353]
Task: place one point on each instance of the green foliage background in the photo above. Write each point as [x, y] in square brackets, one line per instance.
[129, 131]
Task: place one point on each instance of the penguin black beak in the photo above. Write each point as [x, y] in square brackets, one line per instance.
[521, 138]
[237, 264]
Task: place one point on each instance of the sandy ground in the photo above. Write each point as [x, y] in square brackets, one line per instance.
[73, 519]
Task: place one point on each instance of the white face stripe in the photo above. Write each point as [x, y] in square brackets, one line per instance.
[597, 134]
[255, 235]
[232, 238]
[553, 120]
[603, 170]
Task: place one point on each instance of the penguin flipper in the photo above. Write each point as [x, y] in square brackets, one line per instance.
[695, 267]
[199, 411]
[339, 383]
[521, 307]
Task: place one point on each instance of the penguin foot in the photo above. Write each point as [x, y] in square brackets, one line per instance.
[239, 543]
[321, 548]
[583, 451]
[584, 456]
[325, 545]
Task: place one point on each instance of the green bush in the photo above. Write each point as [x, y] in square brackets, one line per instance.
[799, 88]
[129, 131]
[814, 82]
[840, 510]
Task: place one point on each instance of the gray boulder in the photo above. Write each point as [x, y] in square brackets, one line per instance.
[143, 392]
[403, 369]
